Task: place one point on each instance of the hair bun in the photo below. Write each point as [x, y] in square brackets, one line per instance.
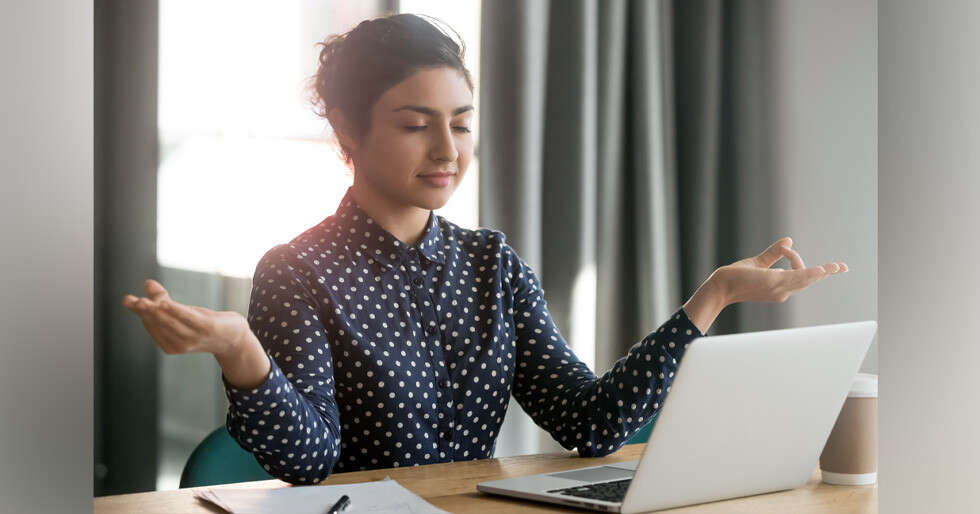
[358, 66]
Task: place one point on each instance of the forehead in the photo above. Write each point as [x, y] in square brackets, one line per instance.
[443, 89]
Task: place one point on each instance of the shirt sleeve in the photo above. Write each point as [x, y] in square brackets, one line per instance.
[596, 415]
[290, 422]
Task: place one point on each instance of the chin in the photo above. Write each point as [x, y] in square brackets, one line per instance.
[433, 201]
[428, 197]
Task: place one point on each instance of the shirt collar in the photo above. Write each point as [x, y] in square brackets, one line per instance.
[367, 236]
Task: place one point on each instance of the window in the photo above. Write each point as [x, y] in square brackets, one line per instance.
[244, 162]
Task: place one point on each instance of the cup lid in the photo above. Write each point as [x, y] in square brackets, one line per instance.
[865, 385]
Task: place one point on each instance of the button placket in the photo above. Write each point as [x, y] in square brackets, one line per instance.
[443, 382]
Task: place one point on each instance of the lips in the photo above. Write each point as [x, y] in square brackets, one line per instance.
[439, 180]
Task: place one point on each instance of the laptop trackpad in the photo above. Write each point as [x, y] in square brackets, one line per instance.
[594, 474]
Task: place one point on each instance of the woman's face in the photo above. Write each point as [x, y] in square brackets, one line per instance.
[421, 126]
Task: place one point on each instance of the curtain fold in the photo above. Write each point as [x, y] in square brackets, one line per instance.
[513, 70]
[126, 358]
[728, 194]
[623, 153]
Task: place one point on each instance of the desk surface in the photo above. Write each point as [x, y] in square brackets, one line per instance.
[452, 486]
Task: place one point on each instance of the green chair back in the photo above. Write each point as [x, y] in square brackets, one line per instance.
[219, 460]
[643, 435]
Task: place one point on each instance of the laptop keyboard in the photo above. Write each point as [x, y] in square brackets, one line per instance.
[606, 491]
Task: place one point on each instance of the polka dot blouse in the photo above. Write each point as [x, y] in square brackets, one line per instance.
[388, 355]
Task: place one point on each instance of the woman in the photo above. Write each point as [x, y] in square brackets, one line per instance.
[388, 336]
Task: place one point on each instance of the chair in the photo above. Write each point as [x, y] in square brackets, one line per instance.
[643, 435]
[219, 460]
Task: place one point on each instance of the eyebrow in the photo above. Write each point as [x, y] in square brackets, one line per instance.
[432, 112]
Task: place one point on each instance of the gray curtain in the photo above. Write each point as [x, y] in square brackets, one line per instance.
[622, 149]
[729, 205]
[126, 358]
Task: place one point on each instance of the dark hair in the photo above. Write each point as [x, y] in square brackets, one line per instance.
[357, 67]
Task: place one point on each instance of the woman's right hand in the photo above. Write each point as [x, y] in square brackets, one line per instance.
[179, 328]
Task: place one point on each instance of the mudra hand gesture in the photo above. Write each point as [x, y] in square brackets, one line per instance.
[179, 328]
[755, 280]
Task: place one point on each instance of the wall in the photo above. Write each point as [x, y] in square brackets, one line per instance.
[824, 108]
[930, 283]
[46, 256]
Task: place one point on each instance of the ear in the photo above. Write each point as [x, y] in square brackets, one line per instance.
[342, 128]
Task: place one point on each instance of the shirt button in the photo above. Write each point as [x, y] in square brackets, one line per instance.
[431, 329]
[417, 281]
[445, 382]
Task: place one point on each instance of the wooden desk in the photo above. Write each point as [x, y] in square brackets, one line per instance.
[452, 487]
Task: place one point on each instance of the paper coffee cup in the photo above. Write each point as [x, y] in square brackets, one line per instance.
[850, 456]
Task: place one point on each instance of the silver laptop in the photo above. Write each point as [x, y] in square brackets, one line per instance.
[746, 414]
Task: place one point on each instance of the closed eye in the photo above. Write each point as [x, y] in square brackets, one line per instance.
[423, 127]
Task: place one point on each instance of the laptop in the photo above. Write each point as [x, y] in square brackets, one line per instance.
[746, 414]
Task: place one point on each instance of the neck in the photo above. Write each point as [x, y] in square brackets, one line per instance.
[405, 222]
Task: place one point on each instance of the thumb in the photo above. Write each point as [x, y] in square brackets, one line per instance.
[155, 291]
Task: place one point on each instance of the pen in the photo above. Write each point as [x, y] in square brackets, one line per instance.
[341, 505]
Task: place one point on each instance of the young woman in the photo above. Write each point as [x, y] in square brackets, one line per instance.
[388, 336]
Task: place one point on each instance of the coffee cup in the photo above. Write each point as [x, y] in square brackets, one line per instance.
[850, 456]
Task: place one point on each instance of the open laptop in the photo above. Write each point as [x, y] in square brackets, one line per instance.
[747, 414]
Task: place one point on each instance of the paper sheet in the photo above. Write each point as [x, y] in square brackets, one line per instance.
[387, 496]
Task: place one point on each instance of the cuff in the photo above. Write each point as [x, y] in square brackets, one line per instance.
[275, 388]
[683, 323]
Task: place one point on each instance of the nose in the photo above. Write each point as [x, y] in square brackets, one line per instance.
[443, 145]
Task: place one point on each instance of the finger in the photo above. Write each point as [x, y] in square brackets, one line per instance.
[140, 305]
[775, 252]
[846, 268]
[793, 257]
[160, 314]
[185, 333]
[169, 343]
[802, 278]
[154, 290]
[169, 331]
[148, 310]
[129, 302]
[832, 267]
[159, 335]
[190, 317]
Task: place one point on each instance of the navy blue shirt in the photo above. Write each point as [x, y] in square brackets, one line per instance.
[386, 355]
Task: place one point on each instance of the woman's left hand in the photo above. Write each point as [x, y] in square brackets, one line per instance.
[754, 280]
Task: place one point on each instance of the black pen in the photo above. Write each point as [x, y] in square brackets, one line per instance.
[340, 506]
